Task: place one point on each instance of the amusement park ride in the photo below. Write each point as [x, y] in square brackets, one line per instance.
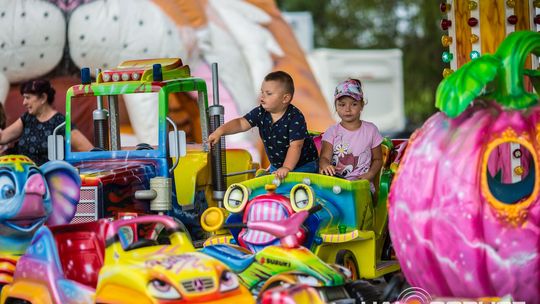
[455, 208]
[77, 260]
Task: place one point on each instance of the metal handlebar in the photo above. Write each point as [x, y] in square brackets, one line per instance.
[60, 126]
[176, 142]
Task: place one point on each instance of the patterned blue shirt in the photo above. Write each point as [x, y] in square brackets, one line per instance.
[33, 140]
[277, 136]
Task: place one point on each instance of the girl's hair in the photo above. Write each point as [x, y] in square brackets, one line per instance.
[39, 87]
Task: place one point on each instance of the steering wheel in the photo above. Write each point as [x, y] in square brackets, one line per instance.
[143, 146]
[141, 243]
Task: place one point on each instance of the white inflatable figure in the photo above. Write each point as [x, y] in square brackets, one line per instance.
[244, 21]
[104, 32]
[32, 38]
[234, 33]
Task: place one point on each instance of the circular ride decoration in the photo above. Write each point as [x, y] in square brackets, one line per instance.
[464, 208]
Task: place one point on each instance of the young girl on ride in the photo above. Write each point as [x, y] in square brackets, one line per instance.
[351, 148]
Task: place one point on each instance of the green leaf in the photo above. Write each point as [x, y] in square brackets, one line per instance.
[514, 51]
[459, 89]
[506, 67]
[534, 75]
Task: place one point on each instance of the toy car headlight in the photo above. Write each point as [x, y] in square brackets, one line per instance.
[236, 198]
[228, 281]
[212, 219]
[301, 197]
[162, 290]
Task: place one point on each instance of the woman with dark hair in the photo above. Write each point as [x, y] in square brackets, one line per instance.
[38, 122]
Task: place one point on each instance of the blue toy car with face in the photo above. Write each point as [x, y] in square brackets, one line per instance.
[350, 228]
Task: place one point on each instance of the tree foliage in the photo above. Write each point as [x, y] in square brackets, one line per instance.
[411, 25]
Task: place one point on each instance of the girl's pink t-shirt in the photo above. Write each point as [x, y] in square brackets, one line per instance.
[352, 149]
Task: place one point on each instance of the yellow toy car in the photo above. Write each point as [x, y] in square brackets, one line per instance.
[147, 259]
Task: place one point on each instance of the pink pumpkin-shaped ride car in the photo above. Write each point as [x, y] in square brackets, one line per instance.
[464, 205]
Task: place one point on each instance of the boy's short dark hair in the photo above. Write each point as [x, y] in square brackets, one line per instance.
[284, 78]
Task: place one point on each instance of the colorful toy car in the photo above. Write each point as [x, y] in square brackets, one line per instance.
[349, 230]
[147, 259]
[286, 263]
[147, 179]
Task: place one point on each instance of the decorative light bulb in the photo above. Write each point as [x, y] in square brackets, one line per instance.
[446, 72]
[445, 24]
[513, 19]
[474, 54]
[447, 56]
[446, 40]
[445, 7]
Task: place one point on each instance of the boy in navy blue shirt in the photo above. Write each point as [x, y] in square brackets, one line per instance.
[282, 128]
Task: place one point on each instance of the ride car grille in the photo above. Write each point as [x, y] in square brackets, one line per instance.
[264, 211]
[198, 285]
[87, 208]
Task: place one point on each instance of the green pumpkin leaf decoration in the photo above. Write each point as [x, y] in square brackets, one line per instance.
[458, 90]
[503, 72]
[534, 75]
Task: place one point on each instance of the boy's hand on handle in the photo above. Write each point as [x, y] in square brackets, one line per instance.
[328, 170]
[214, 138]
[282, 172]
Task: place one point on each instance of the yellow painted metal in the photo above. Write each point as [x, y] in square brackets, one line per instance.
[26, 290]
[347, 237]
[363, 247]
[463, 32]
[118, 294]
[193, 173]
[218, 239]
[492, 25]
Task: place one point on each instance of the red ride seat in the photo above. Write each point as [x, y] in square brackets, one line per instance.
[81, 249]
